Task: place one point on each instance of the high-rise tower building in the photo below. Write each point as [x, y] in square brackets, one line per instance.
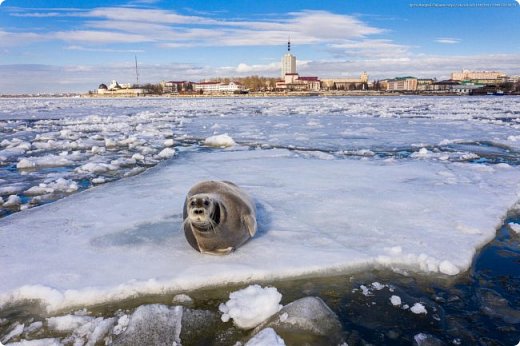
[288, 62]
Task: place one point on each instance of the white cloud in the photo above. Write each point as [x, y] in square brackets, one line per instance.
[447, 40]
[103, 50]
[370, 48]
[8, 39]
[99, 36]
[171, 29]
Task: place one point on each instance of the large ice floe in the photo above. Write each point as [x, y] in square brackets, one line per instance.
[341, 184]
[315, 216]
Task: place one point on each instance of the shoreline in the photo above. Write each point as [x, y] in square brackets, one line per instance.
[290, 95]
[256, 95]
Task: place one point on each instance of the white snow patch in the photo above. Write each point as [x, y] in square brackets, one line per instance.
[251, 306]
[266, 337]
[219, 141]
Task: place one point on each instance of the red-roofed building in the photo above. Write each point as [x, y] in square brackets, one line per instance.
[293, 82]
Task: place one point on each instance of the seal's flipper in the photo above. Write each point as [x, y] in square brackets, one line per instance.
[192, 240]
[250, 224]
[219, 252]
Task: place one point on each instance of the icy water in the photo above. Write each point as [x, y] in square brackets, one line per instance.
[53, 148]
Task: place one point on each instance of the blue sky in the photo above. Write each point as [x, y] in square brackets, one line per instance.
[54, 46]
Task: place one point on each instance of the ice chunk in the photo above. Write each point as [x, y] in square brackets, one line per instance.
[38, 342]
[153, 325]
[423, 339]
[166, 153]
[395, 300]
[219, 141]
[97, 150]
[422, 153]
[182, 299]
[94, 331]
[138, 157]
[418, 308]
[98, 180]
[514, 227]
[493, 304]
[33, 327]
[67, 323]
[307, 319]
[12, 190]
[96, 168]
[15, 331]
[446, 267]
[416, 227]
[251, 306]
[122, 324]
[168, 143]
[44, 161]
[12, 201]
[266, 337]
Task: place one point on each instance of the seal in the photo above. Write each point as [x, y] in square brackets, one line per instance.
[218, 217]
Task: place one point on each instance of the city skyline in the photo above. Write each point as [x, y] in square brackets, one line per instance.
[73, 46]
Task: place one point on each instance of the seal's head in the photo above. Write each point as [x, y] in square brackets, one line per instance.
[202, 211]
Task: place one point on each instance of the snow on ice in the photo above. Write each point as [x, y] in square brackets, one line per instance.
[219, 141]
[314, 216]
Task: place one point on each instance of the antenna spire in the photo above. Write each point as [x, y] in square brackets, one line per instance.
[136, 71]
[289, 44]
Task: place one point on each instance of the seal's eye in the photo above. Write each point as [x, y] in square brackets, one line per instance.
[206, 202]
[192, 203]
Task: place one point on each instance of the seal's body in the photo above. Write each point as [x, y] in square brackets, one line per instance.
[218, 217]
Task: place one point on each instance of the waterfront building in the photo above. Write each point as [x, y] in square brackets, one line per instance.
[402, 84]
[116, 89]
[219, 87]
[480, 77]
[424, 84]
[172, 87]
[288, 62]
[345, 83]
[293, 82]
